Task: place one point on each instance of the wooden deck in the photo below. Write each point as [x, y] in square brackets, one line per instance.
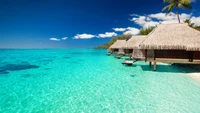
[118, 56]
[108, 54]
[128, 62]
[166, 60]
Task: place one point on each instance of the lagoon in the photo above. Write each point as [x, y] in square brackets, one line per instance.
[86, 80]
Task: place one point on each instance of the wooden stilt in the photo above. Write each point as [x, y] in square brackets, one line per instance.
[149, 64]
[145, 55]
[154, 66]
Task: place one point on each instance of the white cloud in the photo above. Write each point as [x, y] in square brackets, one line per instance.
[64, 38]
[151, 24]
[157, 18]
[196, 20]
[119, 29]
[128, 30]
[134, 15]
[162, 16]
[54, 39]
[132, 31]
[144, 21]
[140, 20]
[107, 34]
[84, 36]
[170, 17]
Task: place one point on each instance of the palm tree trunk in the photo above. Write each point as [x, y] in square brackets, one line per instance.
[177, 14]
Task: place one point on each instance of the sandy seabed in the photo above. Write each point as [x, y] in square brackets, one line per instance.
[195, 75]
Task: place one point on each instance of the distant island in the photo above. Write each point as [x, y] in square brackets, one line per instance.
[143, 31]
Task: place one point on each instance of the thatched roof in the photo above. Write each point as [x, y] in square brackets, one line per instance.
[134, 42]
[118, 44]
[173, 36]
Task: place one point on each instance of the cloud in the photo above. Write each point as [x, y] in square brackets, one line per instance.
[134, 15]
[170, 17]
[64, 38]
[140, 20]
[132, 31]
[54, 39]
[196, 20]
[84, 36]
[107, 34]
[128, 30]
[119, 29]
[162, 16]
[157, 18]
[144, 21]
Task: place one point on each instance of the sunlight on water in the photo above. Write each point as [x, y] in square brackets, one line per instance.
[86, 80]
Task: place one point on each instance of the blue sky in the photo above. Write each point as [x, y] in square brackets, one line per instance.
[81, 23]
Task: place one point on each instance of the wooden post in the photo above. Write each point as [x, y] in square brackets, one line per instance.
[192, 56]
[154, 51]
[145, 55]
[149, 64]
[126, 51]
[154, 66]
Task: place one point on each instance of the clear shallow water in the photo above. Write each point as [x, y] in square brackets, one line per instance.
[86, 80]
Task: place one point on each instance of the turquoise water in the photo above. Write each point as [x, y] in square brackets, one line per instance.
[86, 80]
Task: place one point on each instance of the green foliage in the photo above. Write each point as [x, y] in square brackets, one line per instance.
[189, 22]
[197, 27]
[192, 25]
[185, 4]
[113, 40]
[146, 31]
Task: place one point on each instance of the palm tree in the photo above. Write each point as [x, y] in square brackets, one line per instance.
[177, 3]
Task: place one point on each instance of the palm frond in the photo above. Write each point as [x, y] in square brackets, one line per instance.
[166, 7]
[187, 6]
[169, 7]
[185, 1]
[181, 5]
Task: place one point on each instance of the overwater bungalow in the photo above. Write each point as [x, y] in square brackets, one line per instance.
[174, 43]
[132, 49]
[116, 48]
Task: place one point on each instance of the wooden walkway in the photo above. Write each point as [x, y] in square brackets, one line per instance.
[166, 60]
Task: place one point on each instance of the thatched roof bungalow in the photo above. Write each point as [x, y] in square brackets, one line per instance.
[132, 47]
[117, 47]
[173, 43]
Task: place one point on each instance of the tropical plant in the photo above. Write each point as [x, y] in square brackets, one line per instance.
[197, 27]
[192, 24]
[189, 22]
[146, 31]
[185, 4]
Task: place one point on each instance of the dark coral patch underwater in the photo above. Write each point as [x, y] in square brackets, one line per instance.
[66, 57]
[16, 67]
